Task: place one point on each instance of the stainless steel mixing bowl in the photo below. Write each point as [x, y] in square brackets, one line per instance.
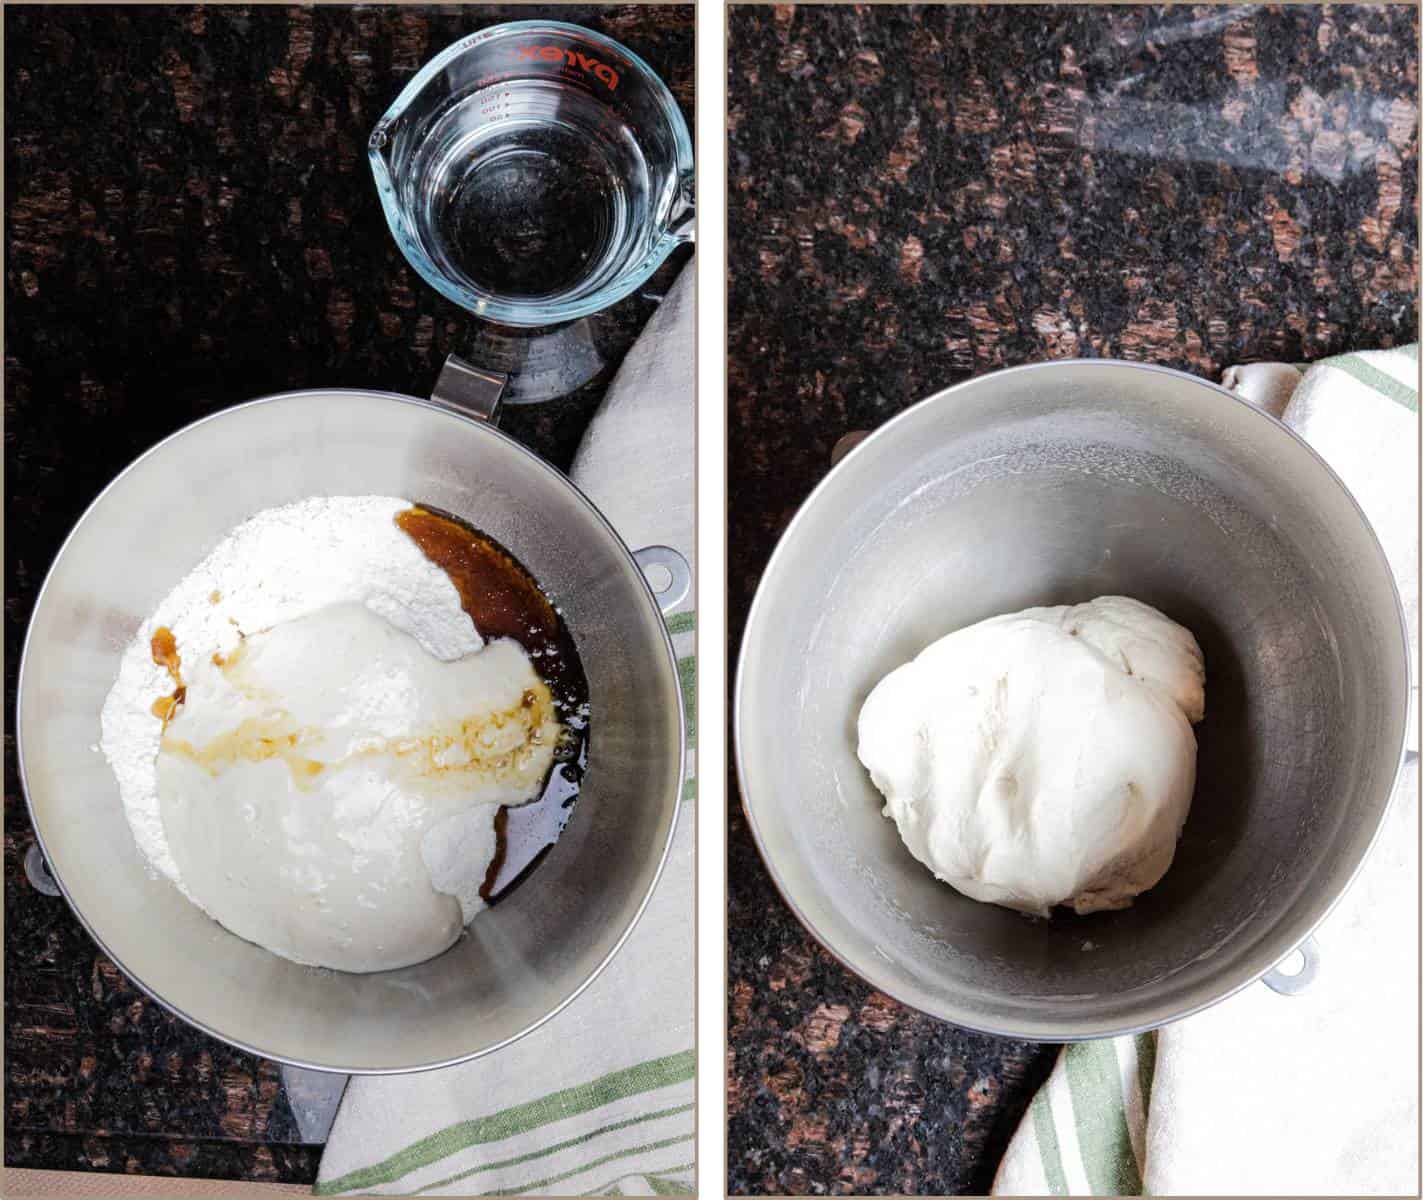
[525, 958]
[1052, 484]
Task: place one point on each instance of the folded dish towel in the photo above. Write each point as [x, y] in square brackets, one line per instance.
[1313, 1094]
[598, 1101]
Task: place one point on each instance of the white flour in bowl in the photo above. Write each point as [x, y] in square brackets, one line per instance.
[337, 761]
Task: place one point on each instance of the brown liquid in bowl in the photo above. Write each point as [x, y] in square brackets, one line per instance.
[164, 648]
[503, 600]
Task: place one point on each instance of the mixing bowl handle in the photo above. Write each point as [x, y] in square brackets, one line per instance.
[661, 565]
[682, 225]
[38, 873]
[468, 390]
[1292, 985]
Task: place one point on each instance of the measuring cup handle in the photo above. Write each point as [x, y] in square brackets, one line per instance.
[683, 225]
[469, 390]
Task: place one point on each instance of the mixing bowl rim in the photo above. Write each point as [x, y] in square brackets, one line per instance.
[869, 974]
[674, 792]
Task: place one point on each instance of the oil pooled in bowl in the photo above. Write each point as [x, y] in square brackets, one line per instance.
[504, 600]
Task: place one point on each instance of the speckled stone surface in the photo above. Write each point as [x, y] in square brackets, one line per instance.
[192, 223]
[918, 195]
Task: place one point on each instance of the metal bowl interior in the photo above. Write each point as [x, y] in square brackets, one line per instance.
[1053, 484]
[518, 963]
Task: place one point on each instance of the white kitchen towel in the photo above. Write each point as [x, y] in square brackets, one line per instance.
[598, 1101]
[1313, 1094]
[1360, 411]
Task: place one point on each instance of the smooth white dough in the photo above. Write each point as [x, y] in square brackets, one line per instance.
[1044, 757]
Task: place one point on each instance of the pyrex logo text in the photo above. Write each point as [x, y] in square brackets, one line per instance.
[574, 58]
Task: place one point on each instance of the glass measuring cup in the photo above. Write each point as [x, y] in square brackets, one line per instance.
[535, 172]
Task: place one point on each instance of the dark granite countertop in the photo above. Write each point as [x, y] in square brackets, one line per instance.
[918, 195]
[192, 223]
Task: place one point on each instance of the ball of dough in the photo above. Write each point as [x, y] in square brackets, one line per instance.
[1045, 757]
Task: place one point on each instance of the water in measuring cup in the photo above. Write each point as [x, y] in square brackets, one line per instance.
[531, 190]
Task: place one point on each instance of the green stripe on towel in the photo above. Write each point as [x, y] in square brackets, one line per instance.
[683, 622]
[534, 1154]
[1094, 1081]
[1047, 1143]
[662, 1186]
[1371, 376]
[597, 1162]
[1145, 1068]
[556, 1106]
[612, 1189]
[557, 1146]
[687, 677]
